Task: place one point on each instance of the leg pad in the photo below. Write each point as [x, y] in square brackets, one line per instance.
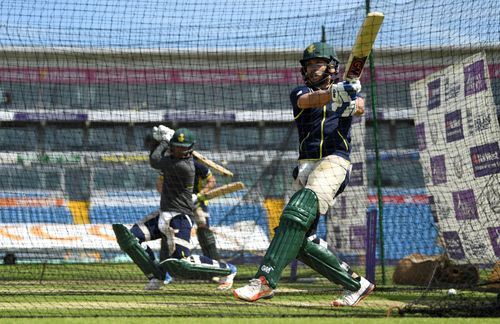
[298, 216]
[130, 245]
[326, 263]
[192, 268]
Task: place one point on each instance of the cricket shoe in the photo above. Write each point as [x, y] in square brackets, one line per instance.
[352, 298]
[226, 283]
[168, 278]
[257, 288]
[154, 284]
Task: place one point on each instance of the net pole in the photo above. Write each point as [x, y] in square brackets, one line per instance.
[378, 175]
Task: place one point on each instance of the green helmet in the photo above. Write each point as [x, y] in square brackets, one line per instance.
[183, 137]
[319, 50]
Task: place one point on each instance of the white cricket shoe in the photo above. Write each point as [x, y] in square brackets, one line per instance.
[154, 284]
[168, 278]
[226, 283]
[352, 298]
[256, 289]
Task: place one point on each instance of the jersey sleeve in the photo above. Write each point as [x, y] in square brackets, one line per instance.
[296, 94]
[157, 158]
[294, 97]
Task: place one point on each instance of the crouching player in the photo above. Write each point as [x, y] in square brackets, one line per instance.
[173, 156]
[204, 181]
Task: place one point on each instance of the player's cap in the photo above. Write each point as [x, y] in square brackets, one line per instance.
[319, 50]
[183, 137]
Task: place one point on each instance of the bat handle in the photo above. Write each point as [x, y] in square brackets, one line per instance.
[351, 80]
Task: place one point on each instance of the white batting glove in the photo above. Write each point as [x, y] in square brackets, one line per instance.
[344, 97]
[198, 199]
[162, 133]
[194, 198]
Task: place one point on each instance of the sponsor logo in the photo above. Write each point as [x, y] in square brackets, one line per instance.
[442, 208]
[475, 244]
[311, 48]
[434, 131]
[478, 122]
[356, 174]
[458, 165]
[357, 237]
[482, 122]
[438, 169]
[464, 203]
[420, 130]
[434, 94]
[198, 116]
[356, 67]
[124, 158]
[474, 78]
[494, 233]
[485, 159]
[266, 269]
[453, 125]
[454, 245]
[23, 116]
[451, 90]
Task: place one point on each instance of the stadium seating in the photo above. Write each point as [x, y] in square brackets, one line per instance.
[57, 215]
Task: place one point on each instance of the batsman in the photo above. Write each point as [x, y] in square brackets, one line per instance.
[323, 110]
[173, 157]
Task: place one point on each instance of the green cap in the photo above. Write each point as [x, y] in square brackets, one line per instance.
[183, 137]
[318, 50]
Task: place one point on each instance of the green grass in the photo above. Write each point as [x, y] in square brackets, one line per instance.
[185, 320]
[116, 290]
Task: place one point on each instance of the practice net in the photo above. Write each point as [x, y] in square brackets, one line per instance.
[84, 83]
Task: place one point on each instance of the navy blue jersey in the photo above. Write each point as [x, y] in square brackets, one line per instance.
[322, 131]
[201, 172]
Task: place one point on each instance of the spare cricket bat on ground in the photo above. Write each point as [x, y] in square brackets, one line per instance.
[363, 45]
[224, 190]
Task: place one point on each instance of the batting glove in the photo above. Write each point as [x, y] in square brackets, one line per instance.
[162, 133]
[344, 97]
[198, 199]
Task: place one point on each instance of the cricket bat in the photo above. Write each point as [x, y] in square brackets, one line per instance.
[224, 190]
[212, 165]
[363, 45]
